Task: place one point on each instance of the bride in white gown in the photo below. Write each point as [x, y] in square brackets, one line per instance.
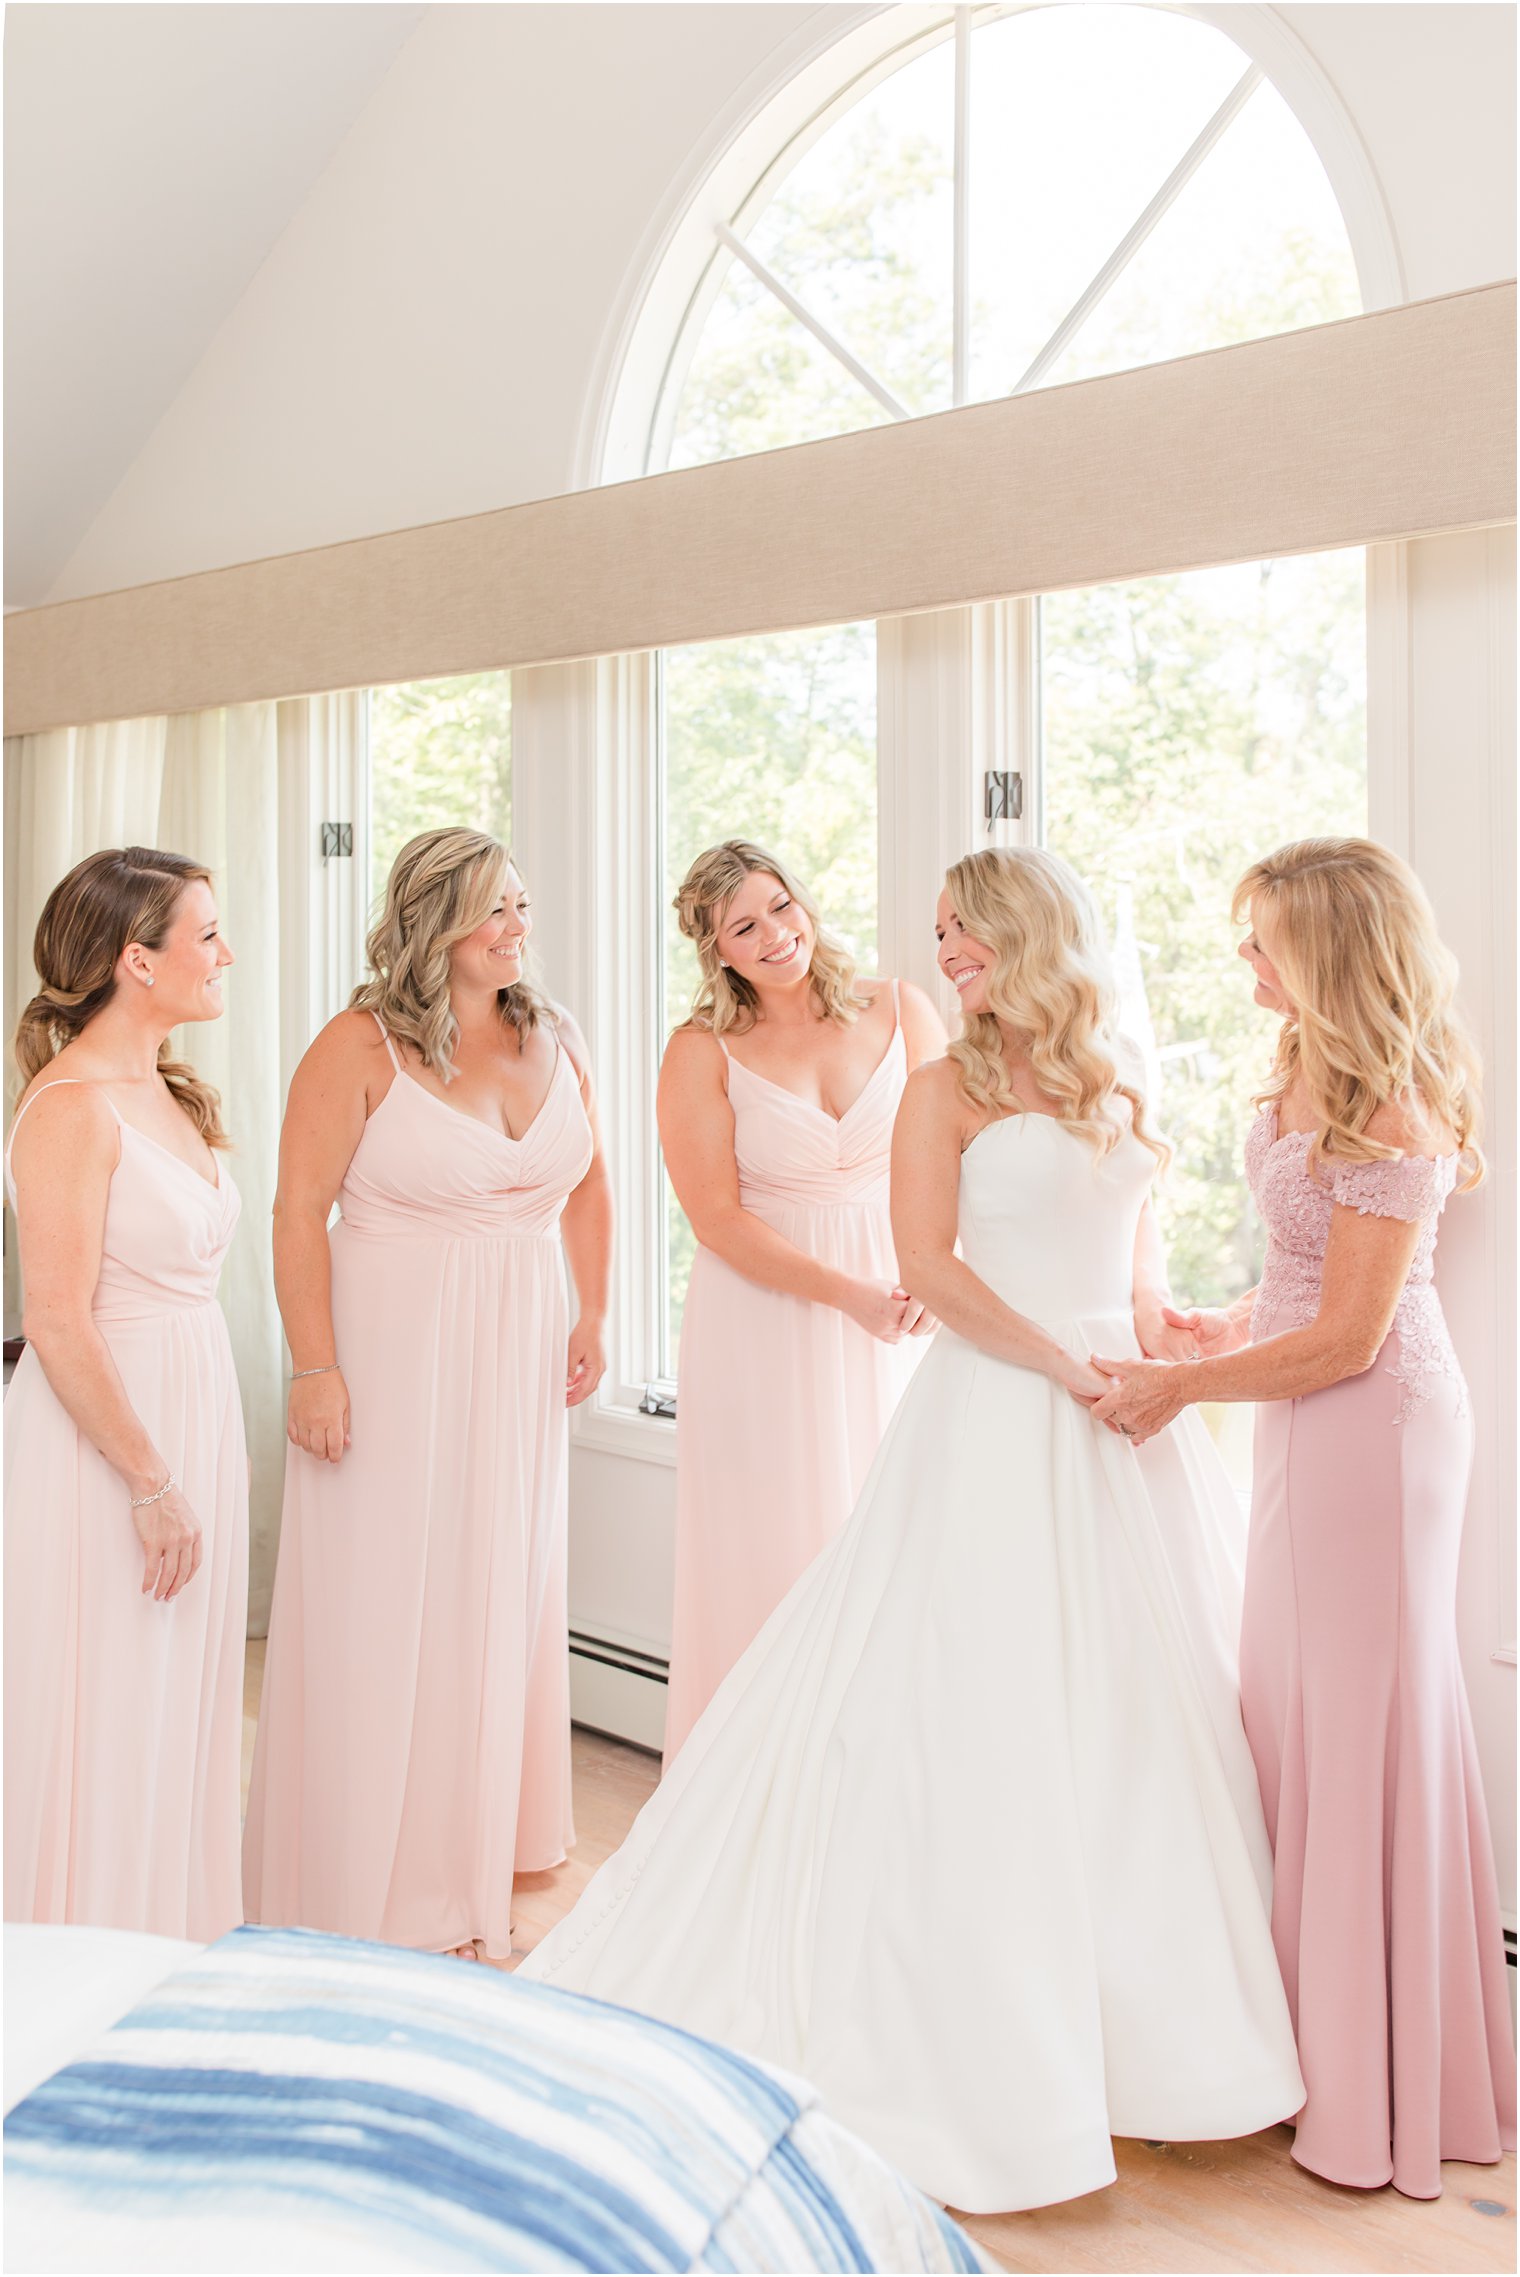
[970, 1837]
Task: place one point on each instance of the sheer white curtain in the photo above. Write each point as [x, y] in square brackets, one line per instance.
[245, 791]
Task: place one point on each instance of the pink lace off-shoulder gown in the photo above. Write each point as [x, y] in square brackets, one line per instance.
[1386, 1910]
[782, 1403]
[414, 1736]
[124, 1717]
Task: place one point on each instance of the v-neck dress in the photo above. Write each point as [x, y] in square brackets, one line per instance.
[782, 1403]
[414, 1738]
[124, 1716]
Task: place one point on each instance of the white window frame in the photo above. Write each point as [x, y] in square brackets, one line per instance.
[956, 695]
[586, 831]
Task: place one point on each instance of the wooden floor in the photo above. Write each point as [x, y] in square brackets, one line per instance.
[1180, 2207]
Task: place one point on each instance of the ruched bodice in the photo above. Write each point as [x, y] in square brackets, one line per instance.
[424, 1168]
[1049, 1225]
[166, 1231]
[790, 1151]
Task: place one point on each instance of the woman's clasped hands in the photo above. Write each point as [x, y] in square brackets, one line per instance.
[1143, 1396]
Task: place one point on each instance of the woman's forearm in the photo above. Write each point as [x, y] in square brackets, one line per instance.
[77, 1362]
[1152, 1286]
[303, 1286]
[586, 1229]
[964, 1303]
[1289, 1366]
[751, 1247]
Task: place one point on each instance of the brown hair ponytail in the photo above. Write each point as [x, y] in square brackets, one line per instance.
[126, 893]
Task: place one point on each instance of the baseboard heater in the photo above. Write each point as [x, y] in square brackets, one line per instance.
[617, 1689]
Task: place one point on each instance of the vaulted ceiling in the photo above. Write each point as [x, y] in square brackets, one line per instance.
[153, 157]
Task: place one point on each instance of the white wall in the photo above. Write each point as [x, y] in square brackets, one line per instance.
[1460, 665]
[420, 341]
[428, 337]
[151, 155]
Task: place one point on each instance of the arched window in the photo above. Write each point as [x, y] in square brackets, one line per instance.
[1011, 199]
[946, 208]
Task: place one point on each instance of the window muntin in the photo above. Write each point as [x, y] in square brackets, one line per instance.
[954, 252]
[1080, 120]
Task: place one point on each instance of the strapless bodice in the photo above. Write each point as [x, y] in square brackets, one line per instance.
[1048, 1224]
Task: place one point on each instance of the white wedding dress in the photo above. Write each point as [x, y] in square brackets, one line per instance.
[970, 1837]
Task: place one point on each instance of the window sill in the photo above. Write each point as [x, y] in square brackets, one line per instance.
[617, 1428]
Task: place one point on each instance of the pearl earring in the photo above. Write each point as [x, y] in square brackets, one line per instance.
[147, 980]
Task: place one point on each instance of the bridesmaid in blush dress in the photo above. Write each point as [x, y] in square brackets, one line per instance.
[126, 1478]
[776, 1106]
[1385, 1908]
[414, 1741]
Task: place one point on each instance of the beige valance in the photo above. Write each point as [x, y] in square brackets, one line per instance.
[1387, 426]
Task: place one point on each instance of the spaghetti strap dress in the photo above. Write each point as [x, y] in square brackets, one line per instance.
[124, 1716]
[414, 1737]
[782, 1403]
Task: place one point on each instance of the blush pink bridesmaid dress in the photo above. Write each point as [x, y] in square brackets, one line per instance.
[1385, 1910]
[124, 1717]
[413, 1747]
[782, 1403]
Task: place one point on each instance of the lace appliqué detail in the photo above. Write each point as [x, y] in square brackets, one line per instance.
[1425, 1352]
[1298, 1206]
[1407, 1186]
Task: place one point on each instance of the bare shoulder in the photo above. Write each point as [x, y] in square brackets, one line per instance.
[353, 1038]
[568, 1029]
[1405, 1124]
[692, 1098]
[932, 1096]
[923, 1028]
[67, 1124]
[692, 1055]
[346, 1059]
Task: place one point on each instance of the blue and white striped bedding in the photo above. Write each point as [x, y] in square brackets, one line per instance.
[288, 2101]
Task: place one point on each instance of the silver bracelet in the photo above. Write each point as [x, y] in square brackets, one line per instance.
[141, 1501]
[328, 1370]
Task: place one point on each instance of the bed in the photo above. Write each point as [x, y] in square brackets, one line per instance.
[285, 2100]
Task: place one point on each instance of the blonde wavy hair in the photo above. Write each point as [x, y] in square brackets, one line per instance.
[123, 894]
[1050, 984]
[1373, 987]
[724, 999]
[442, 885]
